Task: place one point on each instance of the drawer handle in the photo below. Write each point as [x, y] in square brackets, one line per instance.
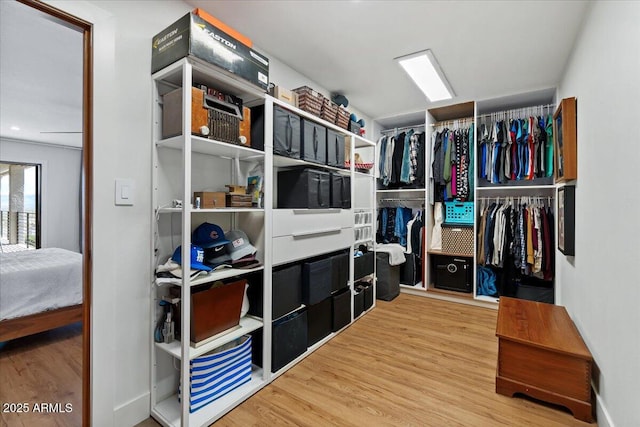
[316, 211]
[316, 232]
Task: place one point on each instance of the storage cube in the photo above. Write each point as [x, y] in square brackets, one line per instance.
[314, 142]
[286, 133]
[340, 191]
[217, 373]
[289, 339]
[368, 296]
[341, 309]
[316, 281]
[335, 149]
[304, 189]
[387, 278]
[358, 303]
[457, 239]
[363, 265]
[319, 321]
[287, 290]
[339, 271]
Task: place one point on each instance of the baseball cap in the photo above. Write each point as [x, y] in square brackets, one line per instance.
[216, 257]
[197, 257]
[208, 236]
[247, 262]
[239, 245]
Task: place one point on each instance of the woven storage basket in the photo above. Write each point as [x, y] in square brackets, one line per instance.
[329, 110]
[457, 240]
[342, 119]
[309, 100]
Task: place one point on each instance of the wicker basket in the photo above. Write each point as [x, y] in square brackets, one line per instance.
[329, 110]
[342, 119]
[309, 100]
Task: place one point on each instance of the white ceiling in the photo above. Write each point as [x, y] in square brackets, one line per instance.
[487, 49]
[40, 77]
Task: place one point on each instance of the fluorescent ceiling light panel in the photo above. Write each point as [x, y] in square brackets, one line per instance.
[423, 68]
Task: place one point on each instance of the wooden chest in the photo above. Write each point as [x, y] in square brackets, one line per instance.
[541, 354]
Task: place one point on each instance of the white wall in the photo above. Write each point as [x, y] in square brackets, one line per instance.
[122, 279]
[600, 285]
[60, 189]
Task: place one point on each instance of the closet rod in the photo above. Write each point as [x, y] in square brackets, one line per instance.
[395, 130]
[405, 199]
[551, 107]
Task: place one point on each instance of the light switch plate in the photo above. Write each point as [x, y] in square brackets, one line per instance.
[124, 192]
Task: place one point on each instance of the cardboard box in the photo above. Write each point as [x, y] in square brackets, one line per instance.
[194, 36]
[285, 95]
[210, 199]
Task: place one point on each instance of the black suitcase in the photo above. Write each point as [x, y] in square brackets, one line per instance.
[453, 273]
[304, 188]
[286, 133]
[314, 142]
[335, 149]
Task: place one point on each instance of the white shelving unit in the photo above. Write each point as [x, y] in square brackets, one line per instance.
[187, 163]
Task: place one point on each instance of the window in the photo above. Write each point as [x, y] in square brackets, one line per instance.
[19, 206]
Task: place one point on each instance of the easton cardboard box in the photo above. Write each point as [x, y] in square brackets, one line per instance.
[192, 35]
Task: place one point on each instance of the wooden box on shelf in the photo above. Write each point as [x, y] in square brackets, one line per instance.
[210, 199]
[565, 137]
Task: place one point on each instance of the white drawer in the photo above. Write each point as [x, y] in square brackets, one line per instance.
[299, 246]
[295, 221]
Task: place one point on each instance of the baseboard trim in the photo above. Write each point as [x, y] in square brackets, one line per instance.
[133, 412]
[602, 415]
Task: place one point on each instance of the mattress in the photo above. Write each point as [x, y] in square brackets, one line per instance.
[39, 280]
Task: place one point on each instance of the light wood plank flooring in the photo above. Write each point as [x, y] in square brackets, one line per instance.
[42, 368]
[413, 361]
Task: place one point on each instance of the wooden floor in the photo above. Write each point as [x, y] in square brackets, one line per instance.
[42, 368]
[413, 361]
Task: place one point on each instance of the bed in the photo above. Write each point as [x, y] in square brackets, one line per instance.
[39, 290]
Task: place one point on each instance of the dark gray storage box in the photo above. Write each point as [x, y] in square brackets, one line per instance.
[314, 142]
[363, 265]
[289, 339]
[341, 309]
[535, 293]
[339, 271]
[319, 322]
[340, 191]
[286, 133]
[387, 278]
[358, 304]
[316, 281]
[335, 149]
[287, 290]
[304, 189]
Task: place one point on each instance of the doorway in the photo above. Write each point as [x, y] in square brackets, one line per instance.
[60, 144]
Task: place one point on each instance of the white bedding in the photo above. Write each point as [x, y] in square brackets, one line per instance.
[39, 280]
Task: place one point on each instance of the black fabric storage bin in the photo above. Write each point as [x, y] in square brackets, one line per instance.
[335, 149]
[316, 281]
[341, 309]
[358, 304]
[535, 293]
[257, 128]
[287, 290]
[363, 265]
[286, 133]
[388, 278]
[453, 273]
[314, 142]
[289, 339]
[368, 296]
[411, 270]
[304, 188]
[319, 321]
[339, 271]
[340, 191]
